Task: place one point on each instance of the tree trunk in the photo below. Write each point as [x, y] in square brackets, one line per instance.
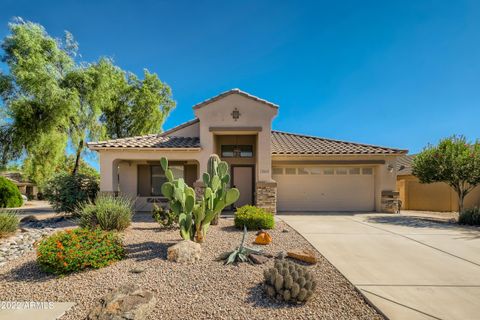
[77, 158]
[460, 205]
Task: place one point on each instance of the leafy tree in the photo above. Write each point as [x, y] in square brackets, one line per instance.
[138, 106]
[50, 101]
[66, 166]
[36, 107]
[453, 161]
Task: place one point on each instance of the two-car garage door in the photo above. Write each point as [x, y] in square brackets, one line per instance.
[325, 188]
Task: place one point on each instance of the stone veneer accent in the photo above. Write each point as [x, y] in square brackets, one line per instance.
[266, 195]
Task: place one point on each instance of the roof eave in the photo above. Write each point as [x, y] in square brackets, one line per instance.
[232, 91]
[144, 149]
[336, 154]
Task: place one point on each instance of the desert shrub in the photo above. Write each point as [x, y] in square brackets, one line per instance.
[79, 249]
[66, 192]
[470, 217]
[164, 217]
[10, 196]
[8, 222]
[253, 218]
[108, 213]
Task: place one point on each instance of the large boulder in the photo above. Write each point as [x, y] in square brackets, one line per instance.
[184, 251]
[127, 302]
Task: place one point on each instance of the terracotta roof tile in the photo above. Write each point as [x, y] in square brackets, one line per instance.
[284, 143]
[232, 91]
[148, 141]
[404, 164]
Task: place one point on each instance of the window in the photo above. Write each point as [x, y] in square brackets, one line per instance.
[354, 171]
[290, 171]
[302, 171]
[277, 171]
[237, 151]
[341, 171]
[227, 151]
[328, 171]
[157, 177]
[367, 171]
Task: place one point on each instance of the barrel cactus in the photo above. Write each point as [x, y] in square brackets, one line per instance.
[289, 282]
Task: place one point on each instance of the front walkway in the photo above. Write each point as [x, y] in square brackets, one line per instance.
[407, 267]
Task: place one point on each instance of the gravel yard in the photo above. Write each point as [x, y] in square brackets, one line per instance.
[207, 290]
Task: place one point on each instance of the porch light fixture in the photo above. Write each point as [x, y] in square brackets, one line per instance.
[390, 168]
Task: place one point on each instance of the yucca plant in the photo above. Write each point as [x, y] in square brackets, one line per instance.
[241, 253]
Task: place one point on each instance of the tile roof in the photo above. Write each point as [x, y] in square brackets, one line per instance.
[232, 91]
[404, 164]
[284, 143]
[149, 141]
[180, 126]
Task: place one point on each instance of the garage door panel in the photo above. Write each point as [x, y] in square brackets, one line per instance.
[325, 192]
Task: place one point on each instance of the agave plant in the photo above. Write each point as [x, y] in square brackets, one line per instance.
[241, 253]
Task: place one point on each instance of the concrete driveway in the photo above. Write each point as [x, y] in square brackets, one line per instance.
[407, 267]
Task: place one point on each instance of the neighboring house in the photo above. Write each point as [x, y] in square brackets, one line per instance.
[26, 187]
[437, 196]
[274, 170]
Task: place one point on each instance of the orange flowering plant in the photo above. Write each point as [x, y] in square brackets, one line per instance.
[79, 249]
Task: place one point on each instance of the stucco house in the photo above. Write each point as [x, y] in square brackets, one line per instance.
[437, 196]
[276, 170]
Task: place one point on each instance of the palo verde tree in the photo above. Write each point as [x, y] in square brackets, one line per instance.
[454, 161]
[51, 100]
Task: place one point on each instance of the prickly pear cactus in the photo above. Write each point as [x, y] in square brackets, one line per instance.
[289, 282]
[181, 200]
[217, 195]
[195, 217]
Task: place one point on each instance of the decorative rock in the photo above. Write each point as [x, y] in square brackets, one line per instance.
[126, 302]
[257, 258]
[27, 219]
[285, 230]
[263, 238]
[304, 255]
[184, 251]
[22, 242]
[137, 270]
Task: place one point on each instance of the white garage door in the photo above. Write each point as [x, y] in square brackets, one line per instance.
[325, 188]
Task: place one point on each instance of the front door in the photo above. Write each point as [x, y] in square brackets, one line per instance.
[242, 179]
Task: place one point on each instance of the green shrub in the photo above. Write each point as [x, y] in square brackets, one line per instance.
[66, 192]
[8, 222]
[164, 217]
[470, 217]
[108, 213]
[79, 249]
[10, 196]
[253, 218]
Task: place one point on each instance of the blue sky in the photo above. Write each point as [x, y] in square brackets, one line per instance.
[394, 73]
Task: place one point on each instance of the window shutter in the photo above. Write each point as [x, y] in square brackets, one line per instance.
[144, 181]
